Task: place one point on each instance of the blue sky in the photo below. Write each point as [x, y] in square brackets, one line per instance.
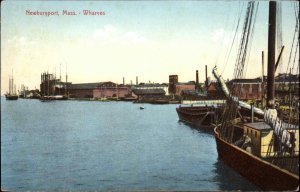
[148, 39]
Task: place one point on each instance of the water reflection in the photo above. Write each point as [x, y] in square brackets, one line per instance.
[224, 177]
[228, 179]
[206, 130]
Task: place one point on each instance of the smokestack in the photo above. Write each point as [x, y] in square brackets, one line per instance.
[123, 81]
[206, 80]
[137, 81]
[197, 80]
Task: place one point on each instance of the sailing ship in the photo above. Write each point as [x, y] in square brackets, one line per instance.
[266, 153]
[11, 95]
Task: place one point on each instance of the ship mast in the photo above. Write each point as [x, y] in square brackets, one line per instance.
[66, 81]
[59, 79]
[271, 55]
[48, 84]
[11, 83]
[262, 80]
[9, 86]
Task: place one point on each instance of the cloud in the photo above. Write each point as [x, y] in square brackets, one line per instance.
[110, 34]
[217, 35]
[105, 33]
[19, 42]
[133, 37]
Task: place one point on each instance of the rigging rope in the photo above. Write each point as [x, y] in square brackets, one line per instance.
[231, 110]
[222, 39]
[236, 30]
[284, 131]
[251, 38]
[247, 32]
[295, 32]
[279, 32]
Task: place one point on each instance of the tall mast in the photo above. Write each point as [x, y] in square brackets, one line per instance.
[262, 79]
[44, 83]
[12, 82]
[48, 83]
[55, 81]
[66, 81]
[271, 55]
[59, 79]
[9, 85]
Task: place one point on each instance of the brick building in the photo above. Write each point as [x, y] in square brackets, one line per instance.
[149, 92]
[173, 80]
[252, 89]
[98, 90]
[179, 87]
[246, 89]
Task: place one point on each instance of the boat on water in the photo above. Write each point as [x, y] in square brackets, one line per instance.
[53, 97]
[209, 116]
[11, 95]
[256, 163]
[267, 152]
[200, 116]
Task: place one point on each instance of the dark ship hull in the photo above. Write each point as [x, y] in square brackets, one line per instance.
[11, 97]
[262, 173]
[201, 117]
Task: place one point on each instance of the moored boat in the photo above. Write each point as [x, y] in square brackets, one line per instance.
[199, 116]
[255, 161]
[11, 95]
[266, 153]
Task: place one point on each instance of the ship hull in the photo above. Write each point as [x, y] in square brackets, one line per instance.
[201, 117]
[11, 97]
[262, 173]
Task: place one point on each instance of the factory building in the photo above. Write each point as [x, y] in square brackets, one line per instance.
[173, 80]
[50, 85]
[98, 90]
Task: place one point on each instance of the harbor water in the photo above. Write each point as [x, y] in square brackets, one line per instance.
[92, 145]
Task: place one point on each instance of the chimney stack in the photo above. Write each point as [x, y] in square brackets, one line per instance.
[197, 81]
[123, 81]
[137, 81]
[206, 80]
